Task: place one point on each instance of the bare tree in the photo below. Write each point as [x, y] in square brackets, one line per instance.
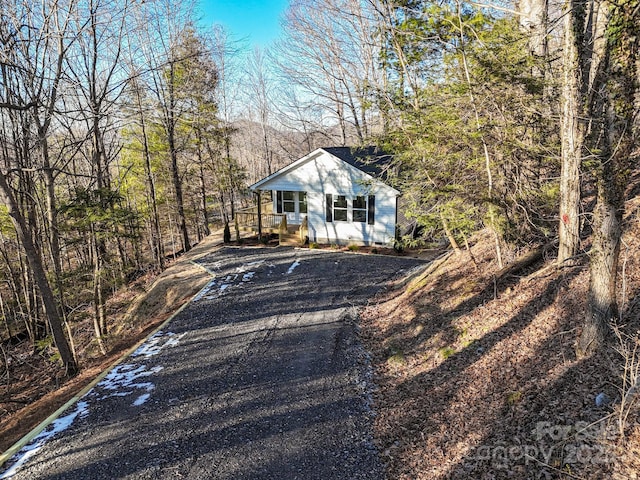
[34, 258]
[99, 76]
[615, 116]
[32, 71]
[260, 86]
[331, 55]
[225, 55]
[533, 16]
[141, 108]
[167, 26]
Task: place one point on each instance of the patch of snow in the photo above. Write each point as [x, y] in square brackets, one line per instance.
[141, 399]
[59, 425]
[205, 290]
[293, 267]
[123, 380]
[248, 276]
[218, 286]
[157, 343]
[247, 266]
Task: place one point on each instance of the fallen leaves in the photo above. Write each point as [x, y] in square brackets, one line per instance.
[485, 359]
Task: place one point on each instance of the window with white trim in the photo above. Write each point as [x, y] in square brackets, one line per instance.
[289, 202]
[362, 209]
[340, 209]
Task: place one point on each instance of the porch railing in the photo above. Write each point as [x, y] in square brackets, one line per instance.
[250, 219]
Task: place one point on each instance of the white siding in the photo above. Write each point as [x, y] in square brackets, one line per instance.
[323, 174]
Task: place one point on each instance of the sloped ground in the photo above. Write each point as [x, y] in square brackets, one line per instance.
[258, 377]
[34, 387]
[478, 377]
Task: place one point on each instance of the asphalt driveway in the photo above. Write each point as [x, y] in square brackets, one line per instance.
[260, 377]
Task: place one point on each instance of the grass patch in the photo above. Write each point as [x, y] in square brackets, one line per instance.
[446, 352]
[397, 360]
[514, 397]
[397, 357]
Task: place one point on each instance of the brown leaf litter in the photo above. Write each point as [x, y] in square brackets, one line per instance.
[478, 378]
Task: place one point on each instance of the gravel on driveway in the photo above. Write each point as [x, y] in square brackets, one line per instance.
[260, 377]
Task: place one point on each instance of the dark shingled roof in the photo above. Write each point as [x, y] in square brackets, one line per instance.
[370, 160]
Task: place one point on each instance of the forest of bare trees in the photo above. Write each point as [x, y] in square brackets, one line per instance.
[111, 155]
[128, 132]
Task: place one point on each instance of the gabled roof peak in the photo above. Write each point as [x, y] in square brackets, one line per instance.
[372, 160]
[369, 160]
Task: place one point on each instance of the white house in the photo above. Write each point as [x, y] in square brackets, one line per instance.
[342, 194]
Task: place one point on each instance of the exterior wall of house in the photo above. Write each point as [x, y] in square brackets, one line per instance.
[324, 174]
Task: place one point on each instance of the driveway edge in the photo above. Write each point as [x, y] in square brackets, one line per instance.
[29, 437]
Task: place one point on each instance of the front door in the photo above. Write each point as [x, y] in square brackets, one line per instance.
[294, 205]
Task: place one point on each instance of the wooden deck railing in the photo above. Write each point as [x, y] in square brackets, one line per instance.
[250, 219]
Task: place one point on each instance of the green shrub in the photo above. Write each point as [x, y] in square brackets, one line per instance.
[226, 234]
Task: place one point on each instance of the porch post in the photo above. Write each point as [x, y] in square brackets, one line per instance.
[258, 196]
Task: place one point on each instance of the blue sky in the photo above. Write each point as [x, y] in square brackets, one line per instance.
[256, 20]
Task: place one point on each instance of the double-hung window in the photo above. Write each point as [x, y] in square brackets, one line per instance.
[362, 209]
[289, 202]
[340, 208]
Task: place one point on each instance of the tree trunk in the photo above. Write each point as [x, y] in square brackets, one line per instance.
[156, 236]
[35, 262]
[449, 234]
[617, 86]
[533, 22]
[177, 187]
[603, 307]
[99, 317]
[573, 133]
[203, 195]
[54, 234]
[175, 173]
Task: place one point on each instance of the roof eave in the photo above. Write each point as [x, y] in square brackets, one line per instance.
[256, 186]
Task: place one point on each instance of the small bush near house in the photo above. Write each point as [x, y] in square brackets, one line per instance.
[226, 234]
